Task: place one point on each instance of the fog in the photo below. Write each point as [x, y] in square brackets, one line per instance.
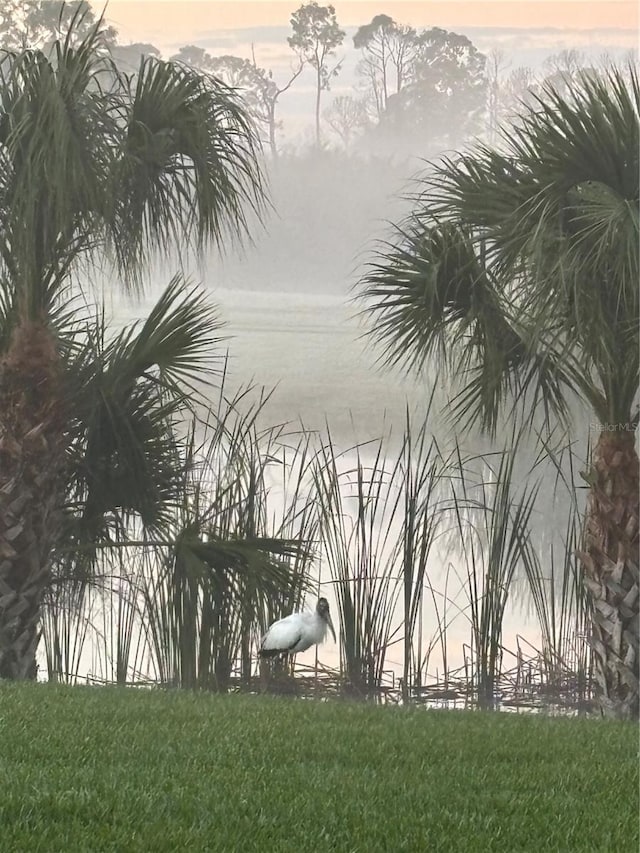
[287, 295]
[328, 209]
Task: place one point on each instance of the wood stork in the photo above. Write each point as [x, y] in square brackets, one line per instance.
[298, 632]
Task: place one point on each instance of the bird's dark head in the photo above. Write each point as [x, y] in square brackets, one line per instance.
[323, 611]
[323, 607]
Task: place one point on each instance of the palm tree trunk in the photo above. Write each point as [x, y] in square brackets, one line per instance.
[31, 489]
[610, 561]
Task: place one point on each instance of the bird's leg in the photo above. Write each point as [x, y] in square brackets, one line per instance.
[265, 673]
[282, 671]
[288, 680]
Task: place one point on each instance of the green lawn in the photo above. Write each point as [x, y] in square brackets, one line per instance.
[92, 769]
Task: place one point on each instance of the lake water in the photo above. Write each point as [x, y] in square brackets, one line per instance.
[310, 348]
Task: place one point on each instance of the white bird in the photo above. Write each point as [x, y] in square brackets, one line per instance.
[298, 632]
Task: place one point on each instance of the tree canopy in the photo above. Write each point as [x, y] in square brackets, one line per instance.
[520, 262]
[39, 23]
[316, 35]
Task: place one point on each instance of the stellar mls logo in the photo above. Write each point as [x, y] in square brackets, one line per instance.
[629, 426]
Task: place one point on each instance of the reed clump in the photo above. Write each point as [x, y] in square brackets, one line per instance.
[424, 549]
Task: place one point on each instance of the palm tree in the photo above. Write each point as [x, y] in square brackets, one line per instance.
[128, 392]
[164, 515]
[518, 273]
[91, 162]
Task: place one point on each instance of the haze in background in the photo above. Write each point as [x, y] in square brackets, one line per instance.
[527, 32]
[286, 297]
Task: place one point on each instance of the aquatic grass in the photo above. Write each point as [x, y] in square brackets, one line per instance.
[492, 522]
[423, 477]
[65, 626]
[229, 564]
[360, 503]
[295, 518]
[559, 597]
[115, 598]
[442, 604]
[121, 769]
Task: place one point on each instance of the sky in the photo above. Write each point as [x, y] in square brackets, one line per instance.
[170, 23]
[526, 32]
[179, 18]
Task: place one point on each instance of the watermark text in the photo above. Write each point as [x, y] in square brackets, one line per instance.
[629, 426]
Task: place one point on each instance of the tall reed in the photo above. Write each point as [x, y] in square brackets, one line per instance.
[261, 513]
[558, 594]
[231, 558]
[492, 523]
[423, 471]
[65, 628]
[360, 503]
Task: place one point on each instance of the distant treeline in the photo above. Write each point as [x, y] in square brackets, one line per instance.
[417, 90]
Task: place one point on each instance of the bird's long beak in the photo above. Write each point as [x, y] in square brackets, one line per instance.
[330, 624]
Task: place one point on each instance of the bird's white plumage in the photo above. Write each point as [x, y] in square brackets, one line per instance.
[297, 632]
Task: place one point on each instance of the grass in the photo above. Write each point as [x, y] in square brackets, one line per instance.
[108, 769]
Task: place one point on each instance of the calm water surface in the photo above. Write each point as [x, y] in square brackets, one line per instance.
[310, 349]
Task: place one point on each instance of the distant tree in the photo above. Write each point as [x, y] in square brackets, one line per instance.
[256, 85]
[262, 92]
[316, 35]
[518, 89]
[388, 49]
[39, 24]
[270, 95]
[495, 69]
[561, 69]
[444, 96]
[129, 56]
[345, 116]
[196, 57]
[565, 62]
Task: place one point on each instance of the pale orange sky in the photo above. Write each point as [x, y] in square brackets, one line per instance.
[526, 31]
[179, 20]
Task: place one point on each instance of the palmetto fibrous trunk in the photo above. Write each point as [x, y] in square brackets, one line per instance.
[97, 165]
[611, 571]
[31, 489]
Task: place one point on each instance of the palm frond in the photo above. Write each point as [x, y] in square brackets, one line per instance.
[176, 342]
[519, 265]
[92, 160]
[125, 395]
[436, 297]
[188, 166]
[56, 131]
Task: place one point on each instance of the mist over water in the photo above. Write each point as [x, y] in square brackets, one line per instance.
[292, 331]
[287, 297]
[309, 348]
[292, 328]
